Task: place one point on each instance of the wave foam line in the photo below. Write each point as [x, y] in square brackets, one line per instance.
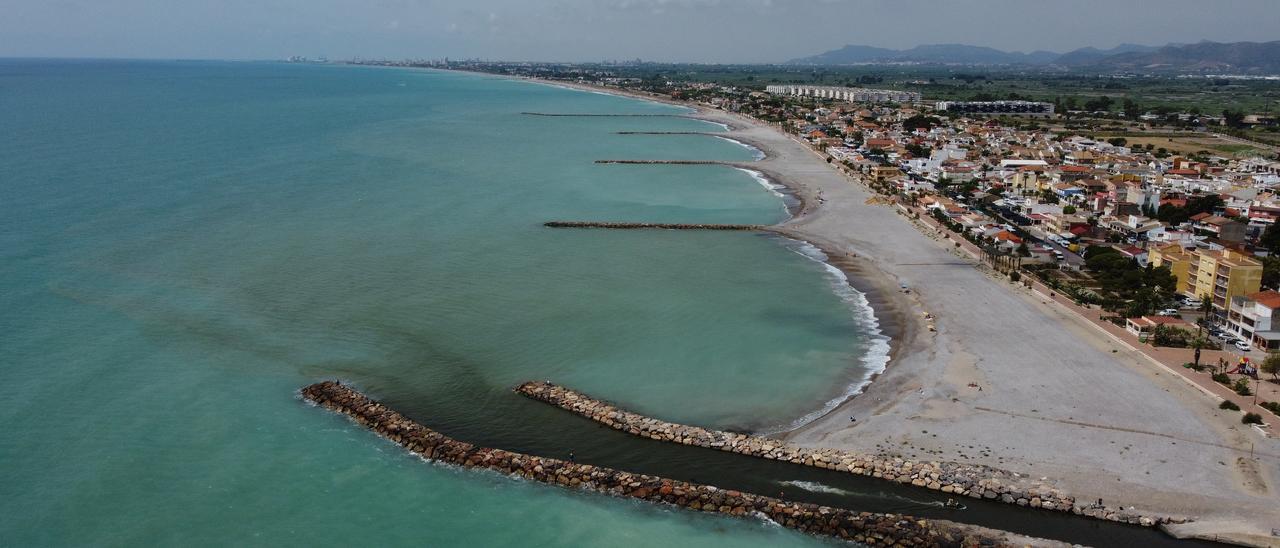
[756, 153]
[876, 357]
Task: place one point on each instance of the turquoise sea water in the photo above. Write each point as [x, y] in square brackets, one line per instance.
[183, 245]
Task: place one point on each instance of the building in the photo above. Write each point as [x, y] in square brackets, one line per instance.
[861, 95]
[1217, 276]
[997, 108]
[1145, 326]
[1220, 275]
[1250, 318]
[1178, 259]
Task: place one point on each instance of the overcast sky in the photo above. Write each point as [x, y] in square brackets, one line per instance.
[589, 30]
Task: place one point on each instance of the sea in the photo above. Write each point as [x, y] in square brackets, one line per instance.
[185, 244]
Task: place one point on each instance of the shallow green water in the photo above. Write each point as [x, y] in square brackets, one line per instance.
[183, 245]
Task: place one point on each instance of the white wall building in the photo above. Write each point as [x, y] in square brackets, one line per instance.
[861, 95]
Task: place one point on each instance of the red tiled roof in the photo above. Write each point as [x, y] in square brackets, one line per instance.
[1268, 298]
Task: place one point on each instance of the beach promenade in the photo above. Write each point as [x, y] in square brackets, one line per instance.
[1009, 379]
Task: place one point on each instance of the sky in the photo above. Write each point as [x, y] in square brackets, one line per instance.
[717, 31]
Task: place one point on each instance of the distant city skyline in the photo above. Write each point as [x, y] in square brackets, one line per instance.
[715, 31]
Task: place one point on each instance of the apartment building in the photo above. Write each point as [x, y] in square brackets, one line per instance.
[1217, 276]
[1179, 260]
[1250, 317]
[1221, 275]
[846, 94]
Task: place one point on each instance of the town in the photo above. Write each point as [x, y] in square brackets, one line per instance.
[1159, 225]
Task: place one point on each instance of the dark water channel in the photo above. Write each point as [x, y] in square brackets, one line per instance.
[472, 410]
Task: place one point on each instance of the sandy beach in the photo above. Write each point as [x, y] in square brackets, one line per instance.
[1055, 396]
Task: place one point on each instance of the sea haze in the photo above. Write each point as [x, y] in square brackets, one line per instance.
[184, 245]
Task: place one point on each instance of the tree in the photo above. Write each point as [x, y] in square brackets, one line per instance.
[1118, 141]
[1271, 365]
[920, 121]
[1068, 209]
[1271, 271]
[1271, 239]
[1233, 118]
[918, 151]
[1100, 104]
[1131, 109]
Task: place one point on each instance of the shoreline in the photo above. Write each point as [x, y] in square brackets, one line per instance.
[977, 392]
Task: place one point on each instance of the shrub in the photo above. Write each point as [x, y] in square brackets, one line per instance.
[1251, 418]
[1228, 404]
[1271, 406]
[1221, 378]
[1015, 276]
[1242, 386]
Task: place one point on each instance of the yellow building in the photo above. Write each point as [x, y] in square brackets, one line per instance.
[1178, 261]
[1214, 275]
[1223, 275]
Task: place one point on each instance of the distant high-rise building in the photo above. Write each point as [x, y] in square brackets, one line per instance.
[862, 95]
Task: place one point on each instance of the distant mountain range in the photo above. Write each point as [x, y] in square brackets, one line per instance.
[1204, 56]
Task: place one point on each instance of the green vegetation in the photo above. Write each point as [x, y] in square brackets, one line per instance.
[1229, 405]
[1221, 378]
[1241, 387]
[1134, 290]
[1271, 365]
[1273, 407]
[1124, 95]
[1195, 205]
[1251, 418]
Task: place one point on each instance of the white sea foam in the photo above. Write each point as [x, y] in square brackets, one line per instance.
[773, 188]
[756, 153]
[723, 126]
[876, 356]
[815, 487]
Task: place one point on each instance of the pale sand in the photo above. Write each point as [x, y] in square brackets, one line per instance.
[1059, 398]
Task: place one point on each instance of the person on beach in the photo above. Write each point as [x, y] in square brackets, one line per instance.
[572, 457]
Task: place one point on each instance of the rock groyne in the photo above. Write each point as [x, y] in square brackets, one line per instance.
[709, 134]
[666, 226]
[863, 527]
[588, 115]
[974, 481]
[671, 162]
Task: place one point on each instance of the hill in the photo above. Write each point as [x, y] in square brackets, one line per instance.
[1248, 57]
[1254, 57]
[935, 53]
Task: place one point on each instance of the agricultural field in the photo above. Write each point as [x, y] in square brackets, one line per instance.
[1192, 144]
[1149, 92]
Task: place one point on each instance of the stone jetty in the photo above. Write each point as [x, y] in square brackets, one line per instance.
[864, 527]
[980, 482]
[667, 226]
[671, 162]
[587, 115]
[667, 133]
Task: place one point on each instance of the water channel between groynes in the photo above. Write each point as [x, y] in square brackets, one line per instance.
[515, 423]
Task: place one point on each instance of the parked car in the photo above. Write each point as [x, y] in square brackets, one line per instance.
[1168, 312]
[1242, 346]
